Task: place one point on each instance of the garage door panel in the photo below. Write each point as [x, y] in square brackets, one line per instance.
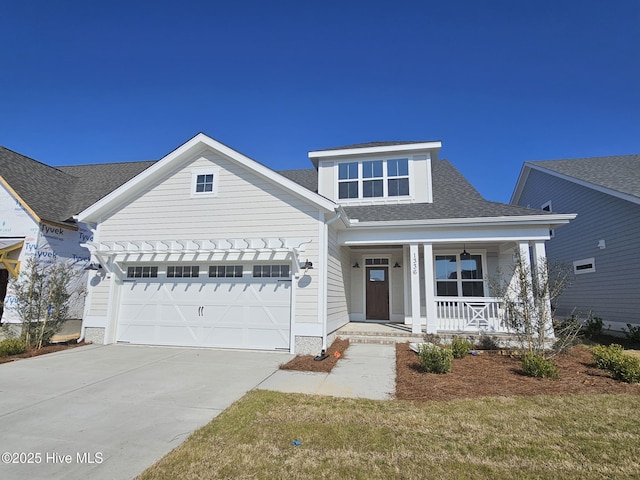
[225, 312]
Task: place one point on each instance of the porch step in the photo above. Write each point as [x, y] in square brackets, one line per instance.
[380, 339]
[385, 336]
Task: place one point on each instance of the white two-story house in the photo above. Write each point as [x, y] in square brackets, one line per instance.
[210, 248]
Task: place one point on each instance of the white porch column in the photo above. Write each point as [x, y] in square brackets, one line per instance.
[429, 291]
[540, 264]
[414, 272]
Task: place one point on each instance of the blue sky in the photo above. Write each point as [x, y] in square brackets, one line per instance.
[498, 82]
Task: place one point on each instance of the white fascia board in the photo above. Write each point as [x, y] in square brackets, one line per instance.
[407, 147]
[554, 220]
[522, 179]
[593, 186]
[166, 164]
[443, 235]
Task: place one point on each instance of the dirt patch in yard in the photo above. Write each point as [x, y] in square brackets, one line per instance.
[32, 352]
[491, 374]
[308, 364]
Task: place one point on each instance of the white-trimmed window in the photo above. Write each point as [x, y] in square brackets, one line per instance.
[459, 276]
[271, 271]
[204, 182]
[225, 271]
[373, 179]
[180, 271]
[142, 272]
[587, 265]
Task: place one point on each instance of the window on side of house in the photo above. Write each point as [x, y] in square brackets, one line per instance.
[271, 271]
[182, 271]
[373, 179]
[459, 277]
[398, 173]
[225, 271]
[142, 272]
[204, 182]
[348, 180]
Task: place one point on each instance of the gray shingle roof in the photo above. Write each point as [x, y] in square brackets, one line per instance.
[620, 173]
[307, 177]
[97, 181]
[453, 197]
[56, 194]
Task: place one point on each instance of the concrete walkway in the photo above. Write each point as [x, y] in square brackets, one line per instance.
[366, 371]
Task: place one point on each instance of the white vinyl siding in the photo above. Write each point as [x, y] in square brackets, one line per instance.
[99, 299]
[247, 206]
[338, 273]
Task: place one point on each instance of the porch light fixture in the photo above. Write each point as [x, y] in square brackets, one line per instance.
[465, 255]
[397, 265]
[308, 265]
[93, 266]
[356, 265]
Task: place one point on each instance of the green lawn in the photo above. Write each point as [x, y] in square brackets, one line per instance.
[586, 436]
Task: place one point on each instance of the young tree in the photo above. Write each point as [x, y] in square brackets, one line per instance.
[43, 295]
[527, 296]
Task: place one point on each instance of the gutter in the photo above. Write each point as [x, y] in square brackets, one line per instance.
[325, 279]
[556, 219]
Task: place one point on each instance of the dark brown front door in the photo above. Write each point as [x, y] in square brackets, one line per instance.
[377, 293]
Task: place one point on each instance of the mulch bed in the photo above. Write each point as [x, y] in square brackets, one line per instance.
[492, 374]
[54, 347]
[308, 364]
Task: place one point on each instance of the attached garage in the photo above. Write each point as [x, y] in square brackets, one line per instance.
[229, 306]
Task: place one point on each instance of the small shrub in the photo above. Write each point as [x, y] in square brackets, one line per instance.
[626, 369]
[435, 359]
[535, 365]
[605, 357]
[633, 333]
[460, 347]
[487, 342]
[592, 327]
[623, 367]
[12, 346]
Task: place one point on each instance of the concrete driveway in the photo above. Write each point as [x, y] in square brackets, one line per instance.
[109, 412]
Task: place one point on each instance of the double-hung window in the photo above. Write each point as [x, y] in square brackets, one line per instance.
[459, 276]
[373, 179]
[398, 173]
[348, 180]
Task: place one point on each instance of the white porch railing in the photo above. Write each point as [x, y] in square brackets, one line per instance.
[470, 314]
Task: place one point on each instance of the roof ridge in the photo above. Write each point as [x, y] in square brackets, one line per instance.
[34, 160]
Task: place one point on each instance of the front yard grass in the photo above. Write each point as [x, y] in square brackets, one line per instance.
[567, 436]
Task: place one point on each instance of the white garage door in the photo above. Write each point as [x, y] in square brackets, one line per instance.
[245, 312]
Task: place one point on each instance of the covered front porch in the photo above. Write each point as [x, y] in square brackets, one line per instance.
[433, 287]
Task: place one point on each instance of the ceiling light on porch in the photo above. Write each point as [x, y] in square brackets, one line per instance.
[465, 255]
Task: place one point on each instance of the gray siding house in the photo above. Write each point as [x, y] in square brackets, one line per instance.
[602, 242]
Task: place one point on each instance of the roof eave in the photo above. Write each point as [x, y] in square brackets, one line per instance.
[373, 150]
[553, 220]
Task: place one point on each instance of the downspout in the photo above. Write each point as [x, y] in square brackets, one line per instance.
[326, 277]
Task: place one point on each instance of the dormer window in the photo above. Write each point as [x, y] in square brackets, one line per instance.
[373, 178]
